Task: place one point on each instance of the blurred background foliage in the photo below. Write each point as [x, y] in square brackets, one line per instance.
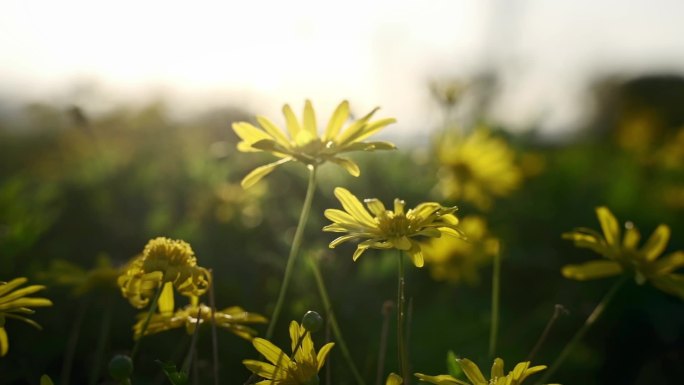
[81, 191]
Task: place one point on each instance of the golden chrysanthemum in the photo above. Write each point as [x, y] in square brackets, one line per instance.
[458, 260]
[477, 168]
[232, 318]
[167, 262]
[515, 377]
[623, 255]
[302, 142]
[300, 369]
[385, 229]
[15, 303]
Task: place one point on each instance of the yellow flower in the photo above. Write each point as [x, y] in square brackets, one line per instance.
[300, 369]
[386, 229]
[15, 303]
[302, 142]
[167, 262]
[624, 255]
[394, 379]
[477, 167]
[82, 281]
[458, 260]
[475, 376]
[232, 318]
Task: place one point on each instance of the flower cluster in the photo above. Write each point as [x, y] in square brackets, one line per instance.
[622, 254]
[520, 372]
[380, 228]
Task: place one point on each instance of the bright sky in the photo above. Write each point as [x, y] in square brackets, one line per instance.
[262, 54]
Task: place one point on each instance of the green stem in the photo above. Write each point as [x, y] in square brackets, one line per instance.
[496, 287]
[294, 251]
[323, 292]
[214, 335]
[595, 314]
[401, 336]
[105, 326]
[153, 307]
[72, 342]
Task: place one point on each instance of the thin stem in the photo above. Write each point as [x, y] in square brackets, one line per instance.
[294, 251]
[496, 286]
[214, 337]
[153, 307]
[105, 327]
[401, 335]
[595, 314]
[323, 292]
[382, 351]
[557, 311]
[192, 352]
[73, 341]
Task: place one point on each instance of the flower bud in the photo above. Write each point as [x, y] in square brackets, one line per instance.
[312, 321]
[121, 367]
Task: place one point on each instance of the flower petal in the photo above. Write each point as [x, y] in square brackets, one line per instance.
[265, 370]
[657, 243]
[611, 229]
[354, 207]
[359, 250]
[442, 379]
[348, 164]
[592, 270]
[11, 285]
[323, 354]
[394, 379]
[354, 129]
[340, 240]
[375, 206]
[274, 131]
[497, 368]
[291, 121]
[472, 371]
[166, 301]
[669, 263]
[671, 284]
[310, 119]
[337, 119]
[416, 254]
[249, 135]
[271, 352]
[260, 172]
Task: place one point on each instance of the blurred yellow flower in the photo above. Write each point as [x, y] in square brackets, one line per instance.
[300, 369]
[14, 303]
[394, 379]
[64, 273]
[477, 167]
[167, 262]
[515, 377]
[302, 142]
[458, 260]
[624, 255]
[233, 318]
[386, 229]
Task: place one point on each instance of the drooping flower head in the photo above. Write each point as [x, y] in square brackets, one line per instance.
[623, 255]
[302, 142]
[15, 303]
[477, 168]
[515, 377]
[233, 318]
[300, 369]
[389, 229]
[167, 262]
[457, 260]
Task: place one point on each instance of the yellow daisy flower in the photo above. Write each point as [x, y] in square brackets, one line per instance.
[232, 318]
[624, 255]
[300, 369]
[475, 376]
[386, 229]
[14, 303]
[64, 273]
[457, 260]
[302, 142]
[167, 262]
[477, 167]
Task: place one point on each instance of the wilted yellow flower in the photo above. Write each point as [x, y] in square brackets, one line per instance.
[458, 260]
[233, 318]
[386, 229]
[302, 142]
[167, 262]
[623, 255]
[82, 281]
[300, 369]
[475, 376]
[15, 303]
[477, 167]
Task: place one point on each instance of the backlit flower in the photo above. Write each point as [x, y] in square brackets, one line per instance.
[15, 303]
[622, 254]
[233, 318]
[167, 262]
[477, 168]
[386, 229]
[302, 142]
[475, 376]
[300, 369]
[458, 260]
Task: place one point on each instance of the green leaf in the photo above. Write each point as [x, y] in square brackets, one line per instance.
[174, 375]
[453, 368]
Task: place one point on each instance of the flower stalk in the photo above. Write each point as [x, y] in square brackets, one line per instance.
[150, 312]
[401, 335]
[496, 288]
